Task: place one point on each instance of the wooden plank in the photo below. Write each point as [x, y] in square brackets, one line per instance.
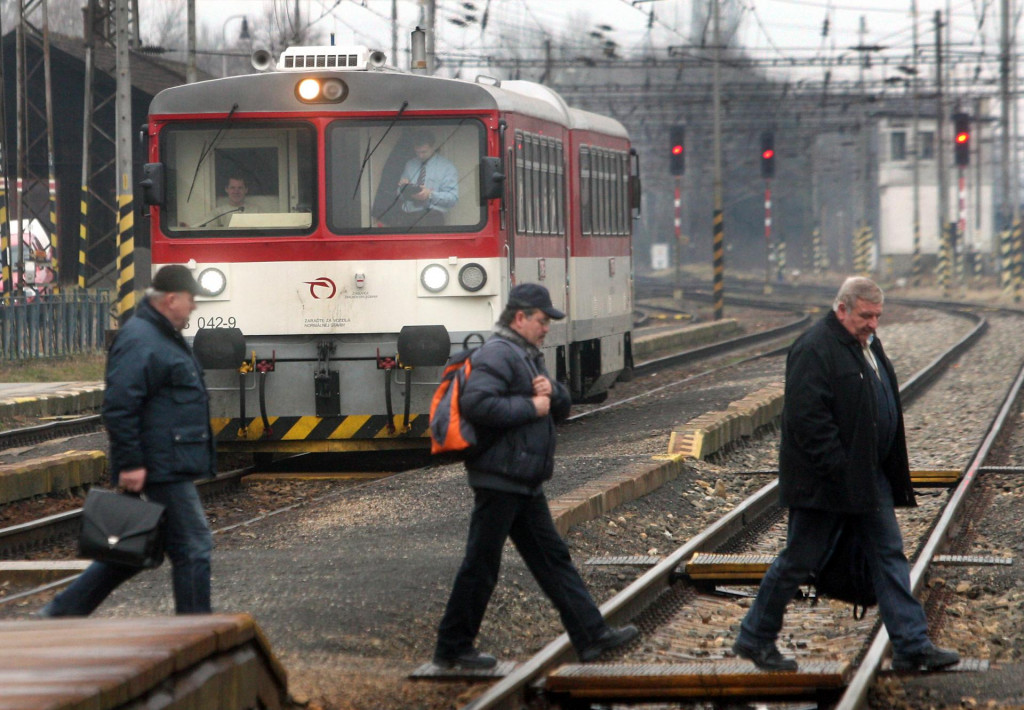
[98, 664]
[728, 678]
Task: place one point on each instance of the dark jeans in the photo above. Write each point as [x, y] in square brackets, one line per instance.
[189, 544]
[527, 520]
[808, 540]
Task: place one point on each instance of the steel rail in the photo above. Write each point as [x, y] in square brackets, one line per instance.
[47, 430]
[647, 588]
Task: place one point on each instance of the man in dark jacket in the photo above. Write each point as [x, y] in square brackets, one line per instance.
[513, 403]
[156, 411]
[843, 462]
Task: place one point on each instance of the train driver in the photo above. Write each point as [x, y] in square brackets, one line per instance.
[429, 186]
[236, 190]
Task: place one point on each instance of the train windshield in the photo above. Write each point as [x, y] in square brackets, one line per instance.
[404, 176]
[227, 179]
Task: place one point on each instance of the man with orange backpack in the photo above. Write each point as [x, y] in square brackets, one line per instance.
[513, 405]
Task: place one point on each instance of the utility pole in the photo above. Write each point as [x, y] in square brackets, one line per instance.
[915, 267]
[941, 146]
[1007, 213]
[717, 230]
[191, 73]
[394, 33]
[123, 158]
[33, 104]
[429, 22]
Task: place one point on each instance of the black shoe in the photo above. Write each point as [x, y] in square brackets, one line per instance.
[471, 659]
[610, 638]
[767, 658]
[930, 659]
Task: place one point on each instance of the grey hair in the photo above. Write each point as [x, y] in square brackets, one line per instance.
[152, 294]
[858, 288]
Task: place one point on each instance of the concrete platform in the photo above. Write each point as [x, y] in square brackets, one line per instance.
[49, 399]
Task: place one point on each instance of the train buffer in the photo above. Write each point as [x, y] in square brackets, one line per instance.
[734, 679]
[220, 661]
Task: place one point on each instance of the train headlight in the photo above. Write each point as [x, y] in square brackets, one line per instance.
[321, 91]
[434, 278]
[308, 89]
[213, 280]
[333, 90]
[472, 277]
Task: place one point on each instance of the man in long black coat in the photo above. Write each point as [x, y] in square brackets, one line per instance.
[843, 462]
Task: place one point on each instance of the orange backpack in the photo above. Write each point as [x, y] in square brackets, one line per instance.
[449, 432]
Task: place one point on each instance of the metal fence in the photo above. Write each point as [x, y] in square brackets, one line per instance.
[54, 325]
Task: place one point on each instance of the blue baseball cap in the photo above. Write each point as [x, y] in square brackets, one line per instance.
[533, 296]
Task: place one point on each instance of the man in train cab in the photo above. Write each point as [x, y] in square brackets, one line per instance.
[843, 463]
[429, 185]
[236, 191]
[514, 403]
[156, 411]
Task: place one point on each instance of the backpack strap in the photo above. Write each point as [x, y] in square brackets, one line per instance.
[522, 354]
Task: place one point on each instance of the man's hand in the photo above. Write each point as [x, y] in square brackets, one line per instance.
[132, 480]
[542, 386]
[542, 405]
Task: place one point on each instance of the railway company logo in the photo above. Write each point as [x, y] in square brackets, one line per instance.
[322, 283]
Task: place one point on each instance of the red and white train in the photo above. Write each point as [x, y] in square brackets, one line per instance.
[334, 314]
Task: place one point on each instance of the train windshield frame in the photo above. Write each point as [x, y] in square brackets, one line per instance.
[373, 166]
[240, 179]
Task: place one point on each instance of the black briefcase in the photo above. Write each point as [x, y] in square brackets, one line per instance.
[122, 529]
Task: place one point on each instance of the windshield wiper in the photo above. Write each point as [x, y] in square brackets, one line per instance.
[371, 151]
[207, 150]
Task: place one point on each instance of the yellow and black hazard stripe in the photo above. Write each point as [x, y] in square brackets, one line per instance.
[343, 433]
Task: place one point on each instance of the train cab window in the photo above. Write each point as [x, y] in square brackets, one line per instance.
[239, 181]
[408, 176]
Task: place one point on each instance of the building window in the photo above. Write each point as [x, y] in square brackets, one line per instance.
[927, 145]
[898, 145]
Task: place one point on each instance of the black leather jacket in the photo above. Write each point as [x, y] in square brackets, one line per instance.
[829, 449]
[518, 454]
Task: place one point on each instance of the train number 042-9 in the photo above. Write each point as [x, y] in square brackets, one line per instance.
[216, 322]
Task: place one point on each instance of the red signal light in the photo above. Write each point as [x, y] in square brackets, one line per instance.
[768, 154]
[962, 137]
[677, 149]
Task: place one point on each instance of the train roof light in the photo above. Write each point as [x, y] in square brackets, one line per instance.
[318, 91]
[354, 57]
[308, 89]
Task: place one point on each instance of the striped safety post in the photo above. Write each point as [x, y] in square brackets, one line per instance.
[1018, 258]
[718, 263]
[817, 258]
[83, 235]
[5, 245]
[53, 228]
[915, 262]
[945, 266]
[125, 253]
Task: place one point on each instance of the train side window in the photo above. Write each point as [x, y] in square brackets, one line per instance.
[560, 188]
[520, 182]
[585, 200]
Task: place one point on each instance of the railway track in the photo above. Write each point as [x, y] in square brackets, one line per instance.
[665, 588]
